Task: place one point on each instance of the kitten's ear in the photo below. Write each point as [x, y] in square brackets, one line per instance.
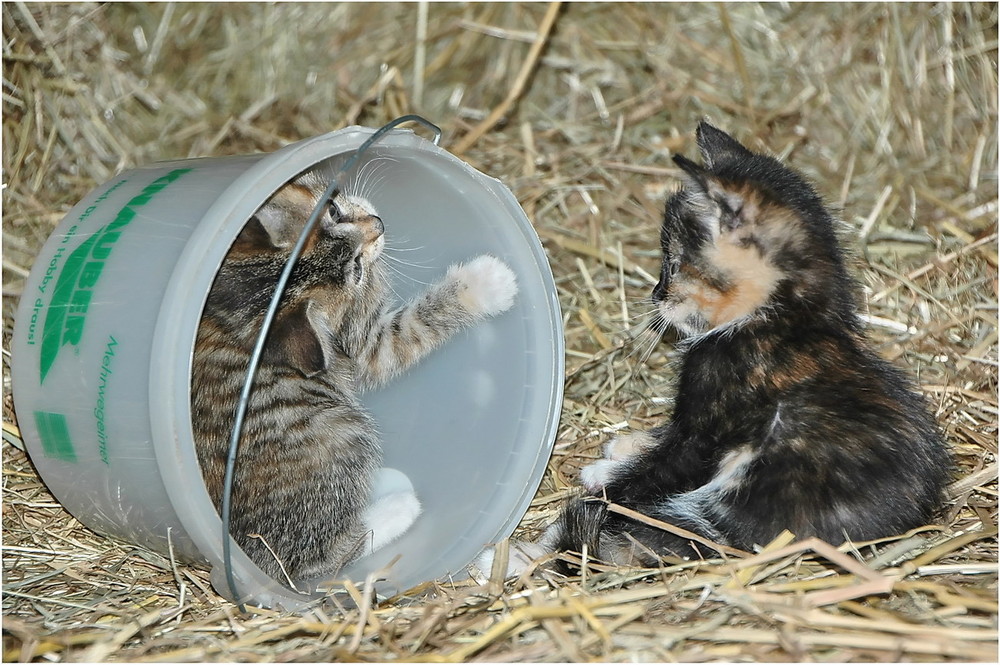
[254, 236]
[301, 339]
[718, 147]
[699, 179]
[695, 174]
[719, 207]
[267, 229]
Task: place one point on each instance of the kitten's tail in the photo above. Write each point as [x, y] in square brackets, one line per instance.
[612, 538]
[579, 527]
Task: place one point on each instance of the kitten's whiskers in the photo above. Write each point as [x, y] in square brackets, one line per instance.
[400, 274]
[371, 176]
[388, 254]
[648, 337]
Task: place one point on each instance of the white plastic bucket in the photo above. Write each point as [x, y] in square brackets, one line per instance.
[105, 332]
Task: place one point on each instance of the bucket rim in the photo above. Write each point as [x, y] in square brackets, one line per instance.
[176, 331]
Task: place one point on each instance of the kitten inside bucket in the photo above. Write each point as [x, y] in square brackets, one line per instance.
[309, 454]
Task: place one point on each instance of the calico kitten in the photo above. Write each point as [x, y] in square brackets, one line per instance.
[309, 450]
[784, 416]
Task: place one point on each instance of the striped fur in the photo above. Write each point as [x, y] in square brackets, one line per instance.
[309, 449]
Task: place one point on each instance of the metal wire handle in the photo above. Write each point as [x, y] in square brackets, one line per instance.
[272, 309]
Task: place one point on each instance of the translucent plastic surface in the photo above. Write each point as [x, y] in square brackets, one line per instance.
[106, 327]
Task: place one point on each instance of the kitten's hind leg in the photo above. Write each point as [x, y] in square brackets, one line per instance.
[393, 509]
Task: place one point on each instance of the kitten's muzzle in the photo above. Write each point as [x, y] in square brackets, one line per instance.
[660, 290]
[372, 228]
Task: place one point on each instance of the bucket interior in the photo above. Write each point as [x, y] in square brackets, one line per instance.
[471, 425]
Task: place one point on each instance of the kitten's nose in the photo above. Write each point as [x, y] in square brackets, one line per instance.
[373, 227]
[659, 290]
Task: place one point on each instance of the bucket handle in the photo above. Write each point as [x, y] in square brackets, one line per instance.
[241, 408]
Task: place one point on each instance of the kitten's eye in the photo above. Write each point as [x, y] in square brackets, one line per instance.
[731, 207]
[336, 214]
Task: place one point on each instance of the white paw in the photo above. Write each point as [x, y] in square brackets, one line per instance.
[628, 445]
[596, 475]
[482, 566]
[389, 518]
[519, 557]
[486, 285]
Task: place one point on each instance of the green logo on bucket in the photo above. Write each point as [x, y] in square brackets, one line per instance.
[67, 310]
[53, 430]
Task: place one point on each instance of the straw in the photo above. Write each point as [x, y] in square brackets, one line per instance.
[863, 98]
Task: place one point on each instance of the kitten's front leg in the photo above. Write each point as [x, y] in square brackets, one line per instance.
[469, 292]
[617, 451]
[485, 286]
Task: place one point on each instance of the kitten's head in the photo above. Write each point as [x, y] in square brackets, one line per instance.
[338, 276]
[746, 238]
[339, 252]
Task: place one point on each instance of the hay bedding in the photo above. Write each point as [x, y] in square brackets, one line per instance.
[892, 109]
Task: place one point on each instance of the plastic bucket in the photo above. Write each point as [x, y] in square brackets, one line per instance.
[106, 326]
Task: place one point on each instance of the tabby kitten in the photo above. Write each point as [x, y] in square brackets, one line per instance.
[784, 416]
[309, 450]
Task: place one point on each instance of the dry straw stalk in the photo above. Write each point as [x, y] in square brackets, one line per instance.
[890, 108]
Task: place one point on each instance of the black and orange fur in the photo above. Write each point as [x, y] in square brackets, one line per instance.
[784, 417]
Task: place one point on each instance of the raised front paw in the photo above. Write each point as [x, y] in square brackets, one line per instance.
[486, 286]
